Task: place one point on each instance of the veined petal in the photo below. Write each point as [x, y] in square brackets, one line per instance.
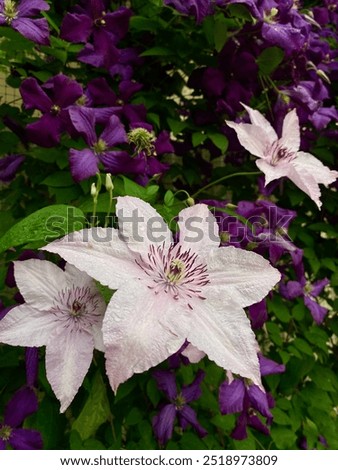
[253, 138]
[163, 423]
[68, 357]
[76, 27]
[321, 173]
[231, 396]
[45, 131]
[83, 120]
[166, 382]
[114, 132]
[39, 282]
[241, 275]
[221, 329]
[32, 7]
[25, 439]
[140, 224]
[34, 97]
[138, 332]
[100, 253]
[291, 132]
[26, 326]
[83, 164]
[36, 30]
[193, 354]
[259, 120]
[198, 229]
[273, 172]
[305, 180]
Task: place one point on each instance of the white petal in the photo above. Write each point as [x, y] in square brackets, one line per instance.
[198, 229]
[193, 354]
[273, 172]
[222, 330]
[321, 173]
[68, 357]
[291, 133]
[243, 276]
[140, 224]
[100, 253]
[305, 181]
[139, 332]
[39, 282]
[26, 326]
[253, 138]
[259, 120]
[98, 336]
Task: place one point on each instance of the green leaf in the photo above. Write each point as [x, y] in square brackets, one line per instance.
[220, 32]
[134, 416]
[198, 138]
[169, 198]
[134, 189]
[43, 225]
[280, 417]
[157, 51]
[269, 60]
[303, 346]
[141, 23]
[176, 126]
[96, 410]
[283, 437]
[59, 179]
[219, 140]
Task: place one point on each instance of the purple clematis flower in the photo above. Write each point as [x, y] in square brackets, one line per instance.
[302, 288]
[9, 166]
[85, 163]
[197, 8]
[237, 397]
[53, 99]
[19, 15]
[163, 423]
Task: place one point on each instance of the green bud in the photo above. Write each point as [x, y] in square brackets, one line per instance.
[109, 183]
[190, 201]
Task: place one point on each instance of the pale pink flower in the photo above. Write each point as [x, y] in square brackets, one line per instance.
[168, 293]
[281, 156]
[63, 311]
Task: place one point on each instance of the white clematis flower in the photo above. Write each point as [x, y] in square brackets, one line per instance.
[168, 293]
[63, 311]
[281, 157]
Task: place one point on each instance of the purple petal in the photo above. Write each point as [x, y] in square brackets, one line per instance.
[163, 423]
[187, 416]
[23, 403]
[2, 442]
[34, 97]
[193, 391]
[83, 164]
[65, 90]
[283, 35]
[293, 289]
[259, 400]
[26, 439]
[83, 119]
[239, 433]
[32, 366]
[258, 314]
[231, 396]
[318, 286]
[114, 132]
[45, 131]
[127, 88]
[100, 93]
[36, 30]
[117, 23]
[268, 366]
[163, 144]
[32, 7]
[102, 53]
[317, 311]
[76, 27]
[9, 166]
[166, 382]
[256, 423]
[118, 161]
[155, 167]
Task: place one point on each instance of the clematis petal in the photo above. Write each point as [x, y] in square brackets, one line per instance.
[321, 173]
[268, 366]
[32, 7]
[188, 416]
[243, 276]
[291, 132]
[198, 229]
[166, 382]
[317, 311]
[114, 132]
[231, 396]
[163, 423]
[26, 326]
[259, 400]
[25, 439]
[69, 353]
[22, 404]
[36, 30]
[83, 164]
[100, 253]
[119, 161]
[257, 119]
[140, 224]
[221, 329]
[306, 181]
[34, 97]
[65, 90]
[76, 27]
[39, 282]
[193, 354]
[139, 332]
[273, 172]
[83, 119]
[318, 286]
[253, 138]
[193, 391]
[45, 131]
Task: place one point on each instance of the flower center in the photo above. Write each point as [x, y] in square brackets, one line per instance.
[280, 154]
[100, 21]
[179, 402]
[100, 146]
[174, 272]
[55, 109]
[5, 432]
[77, 307]
[142, 139]
[10, 11]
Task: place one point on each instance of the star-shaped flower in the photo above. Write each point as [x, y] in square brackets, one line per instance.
[64, 312]
[168, 293]
[281, 156]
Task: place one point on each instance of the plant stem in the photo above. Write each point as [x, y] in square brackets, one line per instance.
[213, 183]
